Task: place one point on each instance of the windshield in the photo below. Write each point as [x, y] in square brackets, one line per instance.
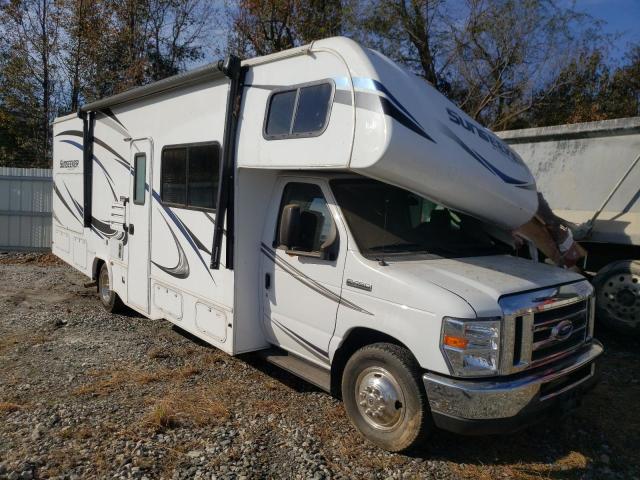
[389, 220]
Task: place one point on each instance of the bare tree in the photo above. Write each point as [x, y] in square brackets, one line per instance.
[260, 27]
[413, 32]
[32, 32]
[506, 50]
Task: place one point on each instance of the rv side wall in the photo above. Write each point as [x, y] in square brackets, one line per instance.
[156, 240]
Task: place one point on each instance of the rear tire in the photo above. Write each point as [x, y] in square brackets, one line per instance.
[108, 298]
[618, 296]
[384, 397]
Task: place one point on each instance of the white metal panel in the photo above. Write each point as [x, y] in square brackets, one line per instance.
[576, 166]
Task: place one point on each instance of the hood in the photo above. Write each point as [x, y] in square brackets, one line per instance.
[481, 281]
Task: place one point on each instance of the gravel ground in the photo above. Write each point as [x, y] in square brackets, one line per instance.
[87, 394]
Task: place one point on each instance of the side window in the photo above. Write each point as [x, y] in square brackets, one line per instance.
[281, 113]
[313, 106]
[173, 178]
[203, 172]
[315, 217]
[189, 176]
[140, 177]
[299, 112]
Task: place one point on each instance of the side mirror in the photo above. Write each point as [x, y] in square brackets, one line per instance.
[289, 228]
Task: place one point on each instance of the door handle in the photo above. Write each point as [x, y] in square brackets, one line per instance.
[267, 281]
[131, 229]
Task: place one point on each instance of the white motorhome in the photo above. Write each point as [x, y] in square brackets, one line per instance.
[336, 213]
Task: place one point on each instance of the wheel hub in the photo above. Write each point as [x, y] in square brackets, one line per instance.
[380, 398]
[620, 296]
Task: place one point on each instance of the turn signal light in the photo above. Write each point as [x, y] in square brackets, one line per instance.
[455, 342]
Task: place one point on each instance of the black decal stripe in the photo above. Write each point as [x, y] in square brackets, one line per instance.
[481, 160]
[376, 103]
[77, 145]
[97, 232]
[318, 352]
[77, 133]
[64, 202]
[198, 243]
[109, 113]
[309, 282]
[103, 227]
[302, 278]
[181, 269]
[75, 204]
[108, 177]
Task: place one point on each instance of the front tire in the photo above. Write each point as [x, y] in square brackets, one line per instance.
[108, 298]
[384, 397]
[618, 296]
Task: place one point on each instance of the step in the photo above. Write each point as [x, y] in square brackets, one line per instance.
[312, 373]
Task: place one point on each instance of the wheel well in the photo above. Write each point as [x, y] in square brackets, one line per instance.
[356, 339]
[97, 265]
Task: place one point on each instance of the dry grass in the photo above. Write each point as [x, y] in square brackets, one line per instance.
[573, 465]
[108, 381]
[179, 407]
[9, 407]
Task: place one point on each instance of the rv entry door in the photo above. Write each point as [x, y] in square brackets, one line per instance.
[139, 225]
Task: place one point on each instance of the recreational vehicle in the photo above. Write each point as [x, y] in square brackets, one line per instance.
[335, 213]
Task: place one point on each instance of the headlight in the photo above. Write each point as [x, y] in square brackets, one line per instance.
[471, 347]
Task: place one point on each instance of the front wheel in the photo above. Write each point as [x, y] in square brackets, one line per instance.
[109, 299]
[618, 296]
[384, 397]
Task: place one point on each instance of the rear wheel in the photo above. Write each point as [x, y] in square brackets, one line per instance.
[109, 299]
[384, 397]
[618, 296]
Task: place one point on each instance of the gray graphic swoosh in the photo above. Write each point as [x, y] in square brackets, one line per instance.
[181, 270]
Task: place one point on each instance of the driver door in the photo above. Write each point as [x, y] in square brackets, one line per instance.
[301, 289]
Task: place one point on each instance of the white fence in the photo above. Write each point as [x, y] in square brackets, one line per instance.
[25, 208]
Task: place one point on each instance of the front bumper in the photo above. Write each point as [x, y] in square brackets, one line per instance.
[504, 405]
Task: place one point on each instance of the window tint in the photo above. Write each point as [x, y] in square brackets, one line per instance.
[312, 108]
[316, 221]
[203, 176]
[140, 176]
[281, 113]
[298, 112]
[174, 175]
[189, 175]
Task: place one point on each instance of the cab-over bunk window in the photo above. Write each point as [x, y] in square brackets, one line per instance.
[298, 112]
[189, 176]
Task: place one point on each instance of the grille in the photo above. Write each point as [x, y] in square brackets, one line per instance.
[547, 345]
[545, 325]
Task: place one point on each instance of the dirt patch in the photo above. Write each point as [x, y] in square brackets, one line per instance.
[41, 259]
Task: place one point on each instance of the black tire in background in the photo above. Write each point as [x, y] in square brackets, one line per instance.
[384, 397]
[618, 296]
[108, 298]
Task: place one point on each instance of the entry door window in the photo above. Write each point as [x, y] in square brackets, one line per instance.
[317, 224]
[140, 177]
